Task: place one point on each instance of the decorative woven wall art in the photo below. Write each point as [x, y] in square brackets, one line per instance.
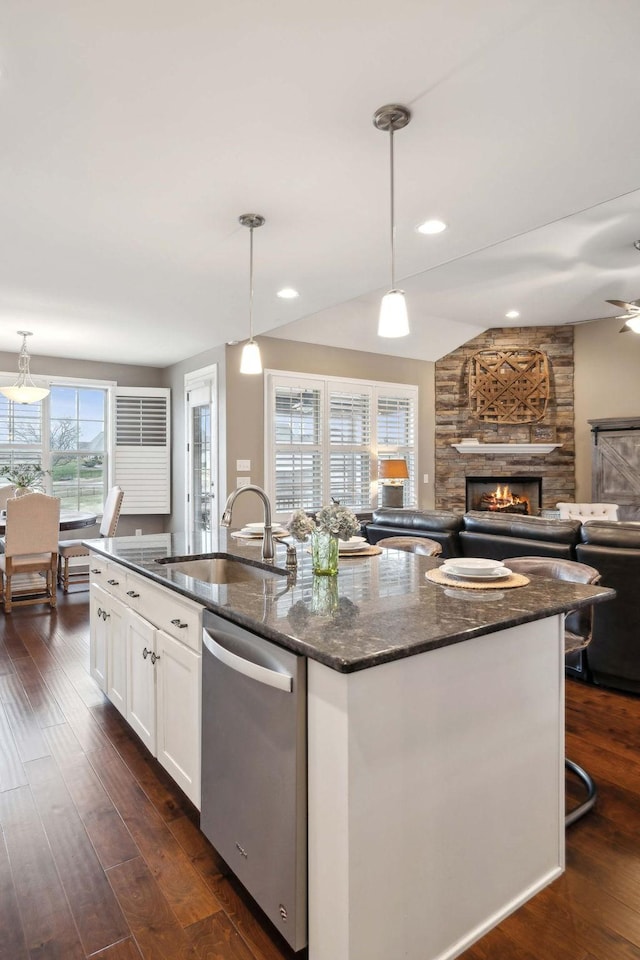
[508, 386]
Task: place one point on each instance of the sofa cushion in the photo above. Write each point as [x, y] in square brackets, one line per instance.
[608, 533]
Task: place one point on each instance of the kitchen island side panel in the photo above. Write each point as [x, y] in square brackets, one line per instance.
[436, 794]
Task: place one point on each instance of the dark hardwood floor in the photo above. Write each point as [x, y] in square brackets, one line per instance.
[100, 855]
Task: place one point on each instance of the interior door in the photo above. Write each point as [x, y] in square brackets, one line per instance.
[202, 461]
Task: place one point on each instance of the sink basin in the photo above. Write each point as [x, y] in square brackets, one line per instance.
[221, 568]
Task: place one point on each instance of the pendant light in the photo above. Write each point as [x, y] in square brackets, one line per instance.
[393, 321]
[24, 390]
[251, 362]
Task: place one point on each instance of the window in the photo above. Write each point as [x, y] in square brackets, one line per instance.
[324, 437]
[67, 434]
[78, 446]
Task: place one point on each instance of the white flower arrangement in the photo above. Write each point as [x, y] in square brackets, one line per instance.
[334, 519]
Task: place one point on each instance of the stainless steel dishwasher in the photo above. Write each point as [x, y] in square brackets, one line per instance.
[254, 801]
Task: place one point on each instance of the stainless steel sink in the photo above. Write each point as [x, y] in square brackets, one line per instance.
[222, 568]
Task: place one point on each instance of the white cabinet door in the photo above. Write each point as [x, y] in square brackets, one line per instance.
[178, 696]
[100, 603]
[117, 655]
[141, 697]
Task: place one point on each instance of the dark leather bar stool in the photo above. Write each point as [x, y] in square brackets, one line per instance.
[577, 636]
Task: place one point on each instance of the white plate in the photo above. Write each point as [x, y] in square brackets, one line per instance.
[259, 527]
[498, 573]
[352, 548]
[250, 531]
[354, 543]
[471, 565]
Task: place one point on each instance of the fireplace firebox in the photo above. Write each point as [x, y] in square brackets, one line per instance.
[521, 495]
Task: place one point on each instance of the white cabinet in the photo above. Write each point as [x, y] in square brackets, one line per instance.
[178, 711]
[99, 602]
[141, 697]
[146, 646]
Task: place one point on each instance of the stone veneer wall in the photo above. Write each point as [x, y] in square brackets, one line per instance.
[453, 421]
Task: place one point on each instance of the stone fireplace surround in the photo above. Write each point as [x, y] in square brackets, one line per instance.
[453, 421]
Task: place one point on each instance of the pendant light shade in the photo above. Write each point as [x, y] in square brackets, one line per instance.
[251, 361]
[24, 390]
[394, 321]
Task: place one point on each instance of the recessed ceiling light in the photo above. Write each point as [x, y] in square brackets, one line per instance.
[288, 293]
[431, 226]
[512, 314]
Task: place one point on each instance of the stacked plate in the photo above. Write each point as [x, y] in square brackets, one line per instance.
[257, 530]
[475, 568]
[353, 545]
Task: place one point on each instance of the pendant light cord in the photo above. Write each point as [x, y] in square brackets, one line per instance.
[250, 284]
[393, 219]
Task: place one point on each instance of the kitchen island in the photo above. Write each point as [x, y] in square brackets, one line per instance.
[435, 739]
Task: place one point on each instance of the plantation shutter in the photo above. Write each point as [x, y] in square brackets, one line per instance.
[396, 430]
[142, 449]
[350, 447]
[298, 440]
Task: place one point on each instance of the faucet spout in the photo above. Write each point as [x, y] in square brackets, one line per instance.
[267, 539]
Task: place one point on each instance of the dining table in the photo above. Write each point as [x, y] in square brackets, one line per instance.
[69, 519]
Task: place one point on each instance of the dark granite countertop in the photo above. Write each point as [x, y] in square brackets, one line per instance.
[377, 609]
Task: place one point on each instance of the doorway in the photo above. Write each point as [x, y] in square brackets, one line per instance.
[202, 459]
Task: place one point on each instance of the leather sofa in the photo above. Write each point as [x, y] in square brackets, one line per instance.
[443, 526]
[613, 548]
[613, 656]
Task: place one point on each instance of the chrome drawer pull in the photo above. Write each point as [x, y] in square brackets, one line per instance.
[146, 653]
[154, 657]
[114, 583]
[178, 623]
[132, 593]
[96, 570]
[103, 613]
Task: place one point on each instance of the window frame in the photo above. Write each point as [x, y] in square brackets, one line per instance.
[44, 449]
[332, 384]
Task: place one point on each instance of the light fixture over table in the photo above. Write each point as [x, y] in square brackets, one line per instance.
[24, 390]
[393, 321]
[251, 362]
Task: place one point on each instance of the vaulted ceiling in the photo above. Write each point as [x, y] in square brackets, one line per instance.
[135, 132]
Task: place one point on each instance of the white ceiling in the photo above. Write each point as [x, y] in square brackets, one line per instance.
[135, 132]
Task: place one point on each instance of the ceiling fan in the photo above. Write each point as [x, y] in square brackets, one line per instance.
[631, 316]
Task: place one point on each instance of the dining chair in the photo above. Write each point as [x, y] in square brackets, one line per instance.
[578, 630]
[30, 547]
[421, 545]
[6, 493]
[70, 549]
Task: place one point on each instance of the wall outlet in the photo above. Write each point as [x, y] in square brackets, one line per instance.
[426, 478]
[243, 481]
[243, 465]
[138, 533]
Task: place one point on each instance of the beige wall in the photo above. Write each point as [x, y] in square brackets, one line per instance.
[245, 403]
[607, 384]
[125, 375]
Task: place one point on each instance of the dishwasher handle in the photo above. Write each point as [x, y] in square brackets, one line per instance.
[272, 678]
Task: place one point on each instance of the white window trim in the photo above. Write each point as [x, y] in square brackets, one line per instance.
[273, 378]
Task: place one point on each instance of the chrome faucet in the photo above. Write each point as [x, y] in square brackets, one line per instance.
[267, 539]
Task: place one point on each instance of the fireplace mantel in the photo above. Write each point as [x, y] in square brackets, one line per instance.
[523, 449]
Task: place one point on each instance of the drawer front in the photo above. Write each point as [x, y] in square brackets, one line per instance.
[115, 581]
[171, 613]
[98, 568]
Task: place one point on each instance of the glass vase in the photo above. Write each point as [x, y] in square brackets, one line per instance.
[324, 554]
[324, 596]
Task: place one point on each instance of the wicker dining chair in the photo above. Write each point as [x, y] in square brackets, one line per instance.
[30, 547]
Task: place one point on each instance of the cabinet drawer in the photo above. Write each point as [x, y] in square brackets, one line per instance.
[172, 613]
[98, 567]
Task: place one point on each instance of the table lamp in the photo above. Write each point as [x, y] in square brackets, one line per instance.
[392, 473]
